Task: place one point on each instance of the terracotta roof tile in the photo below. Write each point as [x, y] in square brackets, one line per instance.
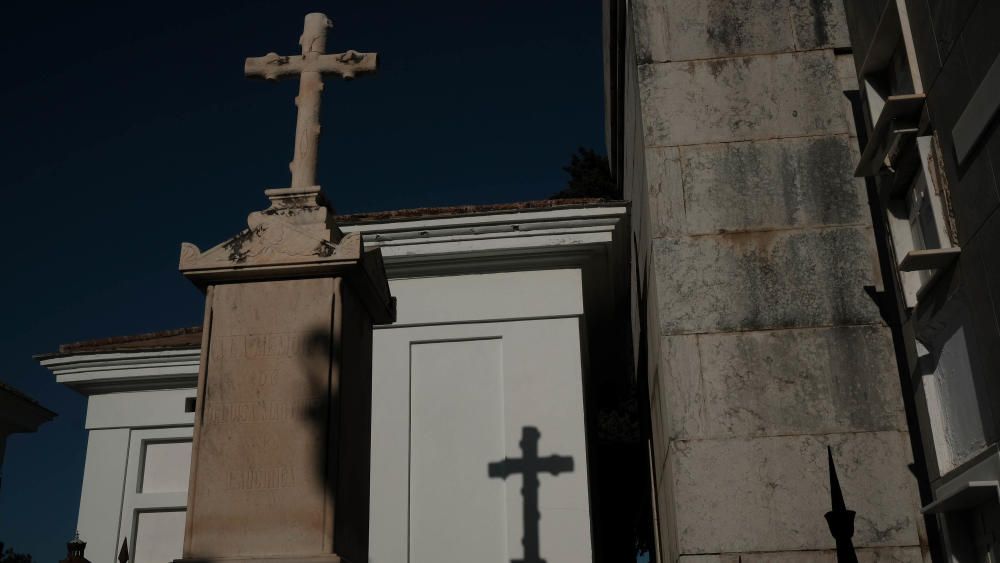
[178, 338]
[458, 210]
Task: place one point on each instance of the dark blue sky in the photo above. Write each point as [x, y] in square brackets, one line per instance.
[127, 130]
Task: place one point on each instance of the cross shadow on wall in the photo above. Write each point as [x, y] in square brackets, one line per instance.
[343, 464]
[322, 411]
[530, 466]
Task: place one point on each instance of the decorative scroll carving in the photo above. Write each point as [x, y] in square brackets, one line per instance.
[295, 229]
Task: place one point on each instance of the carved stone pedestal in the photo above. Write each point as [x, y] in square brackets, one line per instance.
[280, 463]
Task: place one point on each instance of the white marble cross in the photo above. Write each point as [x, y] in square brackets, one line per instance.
[310, 66]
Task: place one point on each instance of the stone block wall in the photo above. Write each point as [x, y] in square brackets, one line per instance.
[754, 246]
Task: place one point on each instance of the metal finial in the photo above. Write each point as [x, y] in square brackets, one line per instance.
[836, 494]
[840, 519]
[123, 554]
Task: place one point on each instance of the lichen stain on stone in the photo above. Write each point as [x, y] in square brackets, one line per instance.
[726, 28]
[884, 534]
[716, 66]
[833, 194]
[859, 378]
[820, 9]
[237, 254]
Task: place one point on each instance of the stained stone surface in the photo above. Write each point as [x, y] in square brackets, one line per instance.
[819, 23]
[753, 495]
[771, 184]
[754, 386]
[867, 555]
[761, 185]
[759, 246]
[771, 279]
[741, 98]
[675, 30]
[264, 425]
[666, 192]
[678, 30]
[667, 513]
[779, 382]
[679, 396]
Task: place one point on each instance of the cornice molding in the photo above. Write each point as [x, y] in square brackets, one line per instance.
[510, 241]
[526, 239]
[111, 372]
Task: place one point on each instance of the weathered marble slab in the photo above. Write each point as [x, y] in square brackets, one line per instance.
[264, 422]
[771, 279]
[753, 495]
[778, 382]
[680, 30]
[666, 192]
[755, 185]
[734, 99]
[673, 30]
[771, 184]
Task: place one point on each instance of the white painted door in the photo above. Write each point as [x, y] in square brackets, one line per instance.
[451, 402]
[456, 422]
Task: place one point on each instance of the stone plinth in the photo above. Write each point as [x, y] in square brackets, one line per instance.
[280, 462]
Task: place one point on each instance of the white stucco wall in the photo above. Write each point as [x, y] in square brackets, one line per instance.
[473, 362]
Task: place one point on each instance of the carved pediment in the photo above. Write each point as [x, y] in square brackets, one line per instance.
[270, 242]
[292, 231]
[295, 237]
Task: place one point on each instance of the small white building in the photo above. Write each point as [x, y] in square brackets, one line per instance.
[509, 323]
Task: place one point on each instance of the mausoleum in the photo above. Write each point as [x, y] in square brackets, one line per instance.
[793, 307]
[508, 325]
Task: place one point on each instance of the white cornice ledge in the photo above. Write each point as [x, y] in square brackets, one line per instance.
[111, 372]
[467, 244]
[523, 239]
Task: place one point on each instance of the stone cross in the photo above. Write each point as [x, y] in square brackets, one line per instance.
[311, 65]
[530, 466]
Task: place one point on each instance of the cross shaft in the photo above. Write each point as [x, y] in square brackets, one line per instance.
[310, 66]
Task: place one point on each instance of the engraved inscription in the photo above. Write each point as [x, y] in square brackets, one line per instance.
[234, 385]
[251, 411]
[280, 477]
[253, 346]
[266, 379]
[263, 421]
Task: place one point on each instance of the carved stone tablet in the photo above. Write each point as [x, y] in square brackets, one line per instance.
[265, 421]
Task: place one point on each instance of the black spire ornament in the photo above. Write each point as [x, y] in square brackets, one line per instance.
[123, 554]
[840, 520]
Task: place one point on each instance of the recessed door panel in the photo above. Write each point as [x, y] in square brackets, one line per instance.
[478, 444]
[457, 513]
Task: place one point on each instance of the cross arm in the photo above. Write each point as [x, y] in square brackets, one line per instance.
[555, 464]
[273, 66]
[505, 468]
